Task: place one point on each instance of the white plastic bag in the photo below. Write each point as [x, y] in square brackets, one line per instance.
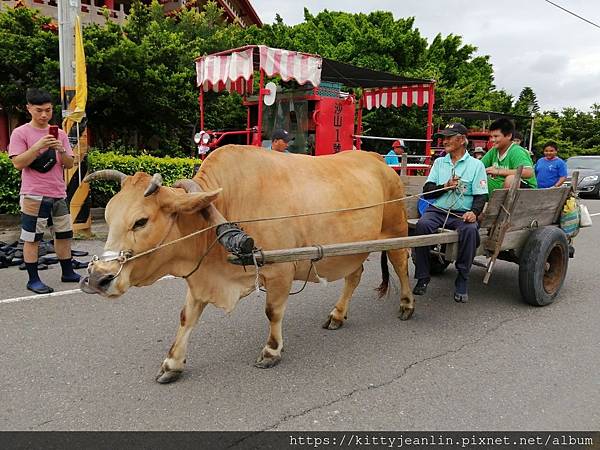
[585, 220]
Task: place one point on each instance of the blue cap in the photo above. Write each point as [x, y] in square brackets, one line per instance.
[281, 134]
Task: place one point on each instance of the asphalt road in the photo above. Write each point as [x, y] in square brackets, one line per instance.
[81, 362]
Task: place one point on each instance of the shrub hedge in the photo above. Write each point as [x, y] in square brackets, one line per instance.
[171, 169]
[10, 184]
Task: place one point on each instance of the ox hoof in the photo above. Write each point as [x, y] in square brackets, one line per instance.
[405, 313]
[332, 323]
[266, 362]
[168, 377]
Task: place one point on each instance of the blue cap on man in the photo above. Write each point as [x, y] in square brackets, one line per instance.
[280, 133]
[452, 129]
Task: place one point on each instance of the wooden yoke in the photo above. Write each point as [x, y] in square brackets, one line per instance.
[494, 242]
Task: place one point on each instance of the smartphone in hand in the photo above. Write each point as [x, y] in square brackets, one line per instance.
[53, 130]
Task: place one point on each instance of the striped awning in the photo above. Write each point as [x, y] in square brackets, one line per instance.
[290, 65]
[233, 71]
[415, 94]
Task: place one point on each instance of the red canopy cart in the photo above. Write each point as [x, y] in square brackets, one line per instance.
[322, 118]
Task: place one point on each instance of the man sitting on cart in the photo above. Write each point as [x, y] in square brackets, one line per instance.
[456, 190]
[502, 160]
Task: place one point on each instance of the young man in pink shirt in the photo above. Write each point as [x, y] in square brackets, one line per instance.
[41, 158]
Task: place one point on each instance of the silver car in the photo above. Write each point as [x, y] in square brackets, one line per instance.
[589, 174]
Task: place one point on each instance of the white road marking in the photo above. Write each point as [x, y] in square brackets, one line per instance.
[36, 296]
[595, 214]
[58, 293]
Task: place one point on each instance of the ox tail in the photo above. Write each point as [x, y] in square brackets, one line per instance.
[385, 275]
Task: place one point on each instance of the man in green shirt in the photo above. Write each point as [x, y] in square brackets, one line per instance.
[502, 160]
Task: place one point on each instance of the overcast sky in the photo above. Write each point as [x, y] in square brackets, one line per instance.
[531, 42]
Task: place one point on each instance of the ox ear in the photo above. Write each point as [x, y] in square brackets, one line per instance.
[193, 202]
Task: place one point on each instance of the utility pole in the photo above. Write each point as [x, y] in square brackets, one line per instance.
[78, 193]
[67, 11]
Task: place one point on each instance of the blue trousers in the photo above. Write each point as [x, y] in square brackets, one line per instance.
[468, 240]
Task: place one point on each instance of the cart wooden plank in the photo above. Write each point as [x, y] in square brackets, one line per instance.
[412, 185]
[350, 248]
[502, 224]
[542, 206]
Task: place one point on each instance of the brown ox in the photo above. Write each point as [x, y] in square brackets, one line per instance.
[252, 183]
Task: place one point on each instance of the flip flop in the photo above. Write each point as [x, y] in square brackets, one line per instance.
[79, 253]
[49, 260]
[80, 264]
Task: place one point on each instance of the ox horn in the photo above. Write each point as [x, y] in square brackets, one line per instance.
[106, 174]
[155, 183]
[187, 185]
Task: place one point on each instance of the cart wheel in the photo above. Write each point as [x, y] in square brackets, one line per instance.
[436, 266]
[543, 265]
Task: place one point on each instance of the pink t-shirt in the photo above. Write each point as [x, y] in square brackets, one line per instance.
[49, 184]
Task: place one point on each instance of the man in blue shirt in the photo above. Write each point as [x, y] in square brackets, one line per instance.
[550, 171]
[458, 190]
[393, 157]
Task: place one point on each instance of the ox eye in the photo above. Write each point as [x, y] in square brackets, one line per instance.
[140, 223]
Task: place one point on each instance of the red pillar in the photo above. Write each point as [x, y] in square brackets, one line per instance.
[261, 95]
[430, 121]
[359, 129]
[3, 130]
[201, 105]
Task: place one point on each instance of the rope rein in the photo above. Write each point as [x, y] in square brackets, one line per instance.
[124, 256]
[356, 208]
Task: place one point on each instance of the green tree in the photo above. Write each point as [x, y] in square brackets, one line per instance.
[378, 41]
[28, 57]
[576, 132]
[141, 76]
[143, 93]
[526, 105]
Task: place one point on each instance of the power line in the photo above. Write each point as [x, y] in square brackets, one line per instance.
[573, 14]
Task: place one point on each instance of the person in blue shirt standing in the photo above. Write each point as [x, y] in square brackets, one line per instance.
[458, 190]
[393, 157]
[550, 171]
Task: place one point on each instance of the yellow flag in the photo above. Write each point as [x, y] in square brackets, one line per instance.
[78, 192]
[80, 76]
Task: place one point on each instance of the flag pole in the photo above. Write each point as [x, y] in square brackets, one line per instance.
[78, 154]
[74, 96]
